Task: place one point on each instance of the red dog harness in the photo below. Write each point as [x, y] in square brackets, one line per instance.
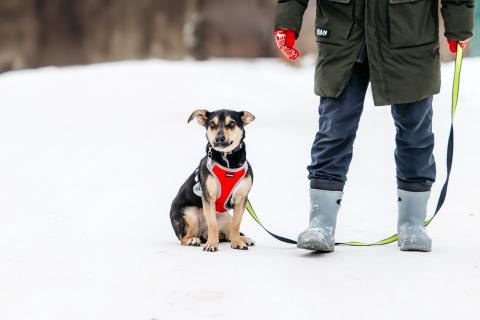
[227, 180]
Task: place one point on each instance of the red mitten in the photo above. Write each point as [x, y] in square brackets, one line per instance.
[453, 45]
[285, 40]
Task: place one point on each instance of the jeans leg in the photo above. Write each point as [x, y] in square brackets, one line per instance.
[415, 140]
[338, 123]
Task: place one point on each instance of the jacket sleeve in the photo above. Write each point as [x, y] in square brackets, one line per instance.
[289, 14]
[458, 16]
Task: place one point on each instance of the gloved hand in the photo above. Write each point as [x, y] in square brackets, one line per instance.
[452, 44]
[285, 40]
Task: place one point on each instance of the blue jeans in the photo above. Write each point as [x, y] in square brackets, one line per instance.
[338, 124]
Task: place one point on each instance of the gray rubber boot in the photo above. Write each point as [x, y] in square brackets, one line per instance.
[412, 211]
[320, 235]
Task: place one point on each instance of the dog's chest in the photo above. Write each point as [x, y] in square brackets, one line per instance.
[227, 180]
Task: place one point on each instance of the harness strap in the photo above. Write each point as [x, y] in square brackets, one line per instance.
[227, 180]
[443, 193]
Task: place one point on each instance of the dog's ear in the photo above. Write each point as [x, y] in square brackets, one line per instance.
[201, 115]
[247, 117]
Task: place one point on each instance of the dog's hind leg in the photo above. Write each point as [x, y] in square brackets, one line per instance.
[192, 216]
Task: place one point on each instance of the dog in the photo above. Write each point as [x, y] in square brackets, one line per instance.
[222, 181]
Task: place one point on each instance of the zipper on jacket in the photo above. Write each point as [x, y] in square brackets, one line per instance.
[379, 48]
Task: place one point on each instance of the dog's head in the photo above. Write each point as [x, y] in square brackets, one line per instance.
[225, 128]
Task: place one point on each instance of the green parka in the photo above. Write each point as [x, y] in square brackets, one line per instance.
[400, 37]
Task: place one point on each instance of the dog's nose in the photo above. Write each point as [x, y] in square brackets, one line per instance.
[220, 139]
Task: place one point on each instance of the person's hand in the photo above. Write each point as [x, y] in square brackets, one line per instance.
[452, 44]
[285, 40]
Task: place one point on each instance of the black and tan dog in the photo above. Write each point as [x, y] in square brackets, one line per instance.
[199, 212]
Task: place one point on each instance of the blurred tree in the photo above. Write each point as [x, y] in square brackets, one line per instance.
[61, 32]
[475, 45]
[18, 35]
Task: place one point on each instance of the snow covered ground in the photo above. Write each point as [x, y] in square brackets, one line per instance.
[91, 157]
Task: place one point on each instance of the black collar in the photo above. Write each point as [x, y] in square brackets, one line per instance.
[233, 159]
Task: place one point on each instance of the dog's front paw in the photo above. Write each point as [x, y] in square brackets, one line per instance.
[211, 246]
[248, 241]
[238, 244]
[195, 242]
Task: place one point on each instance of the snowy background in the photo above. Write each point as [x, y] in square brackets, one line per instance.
[91, 157]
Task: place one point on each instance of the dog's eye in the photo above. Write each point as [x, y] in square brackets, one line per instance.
[231, 124]
[212, 125]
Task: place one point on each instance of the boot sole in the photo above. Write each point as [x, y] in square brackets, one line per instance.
[415, 246]
[315, 246]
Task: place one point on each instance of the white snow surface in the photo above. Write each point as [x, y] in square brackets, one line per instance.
[91, 158]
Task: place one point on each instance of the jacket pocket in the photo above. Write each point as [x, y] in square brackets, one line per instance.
[334, 21]
[412, 23]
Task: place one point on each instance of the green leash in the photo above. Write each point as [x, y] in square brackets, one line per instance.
[443, 193]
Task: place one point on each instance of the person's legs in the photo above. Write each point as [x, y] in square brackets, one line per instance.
[415, 140]
[415, 171]
[331, 156]
[338, 123]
